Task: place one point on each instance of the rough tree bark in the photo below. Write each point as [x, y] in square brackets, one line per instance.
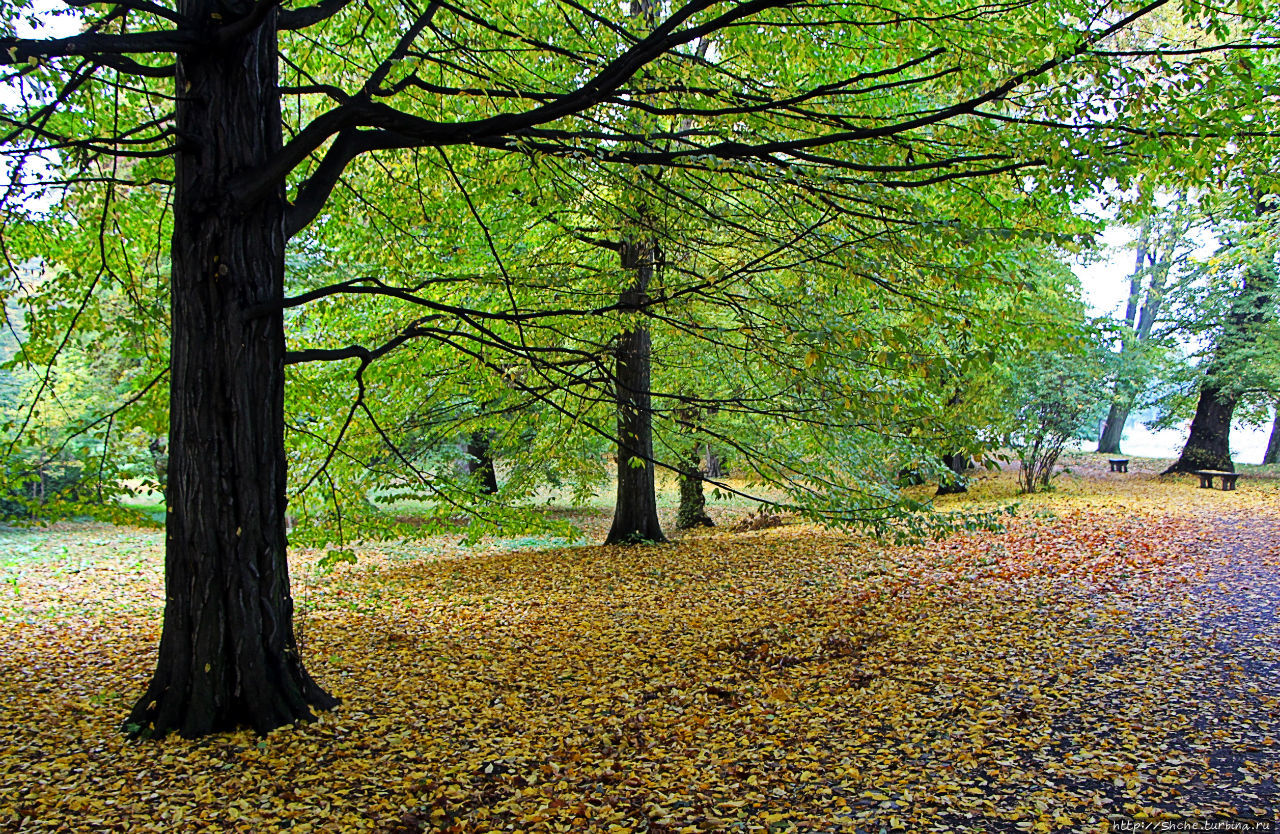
[693, 503]
[1113, 431]
[712, 463]
[478, 449]
[1208, 443]
[635, 512]
[228, 655]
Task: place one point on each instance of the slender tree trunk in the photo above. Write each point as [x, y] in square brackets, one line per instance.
[693, 503]
[1273, 444]
[1155, 253]
[228, 656]
[1109, 442]
[712, 463]
[635, 513]
[478, 449]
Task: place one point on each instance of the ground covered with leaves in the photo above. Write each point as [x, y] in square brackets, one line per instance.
[1113, 654]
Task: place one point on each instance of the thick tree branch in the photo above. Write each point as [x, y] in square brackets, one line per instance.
[364, 126]
[128, 66]
[418, 132]
[95, 46]
[142, 6]
[310, 15]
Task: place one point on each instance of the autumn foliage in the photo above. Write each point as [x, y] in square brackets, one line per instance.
[1108, 655]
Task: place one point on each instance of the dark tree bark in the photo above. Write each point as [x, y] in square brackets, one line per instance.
[228, 656]
[693, 503]
[958, 463]
[1273, 443]
[635, 512]
[1109, 442]
[481, 460]
[1208, 444]
[712, 463]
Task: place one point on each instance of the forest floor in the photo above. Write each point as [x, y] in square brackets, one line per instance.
[1113, 655]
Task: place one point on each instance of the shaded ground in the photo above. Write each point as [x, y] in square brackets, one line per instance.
[1235, 608]
[1111, 655]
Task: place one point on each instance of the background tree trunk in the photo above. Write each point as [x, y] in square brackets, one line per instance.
[712, 463]
[635, 512]
[1156, 248]
[1273, 443]
[693, 503]
[481, 460]
[228, 655]
[957, 463]
[1109, 442]
[1209, 443]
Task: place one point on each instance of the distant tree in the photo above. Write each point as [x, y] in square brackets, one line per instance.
[1163, 239]
[692, 511]
[1272, 454]
[480, 451]
[1056, 395]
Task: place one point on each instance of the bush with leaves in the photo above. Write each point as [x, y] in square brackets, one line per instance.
[1057, 396]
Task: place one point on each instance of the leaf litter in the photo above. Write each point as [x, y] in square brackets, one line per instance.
[1111, 655]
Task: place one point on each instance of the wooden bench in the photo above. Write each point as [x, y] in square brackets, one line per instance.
[1119, 464]
[1207, 476]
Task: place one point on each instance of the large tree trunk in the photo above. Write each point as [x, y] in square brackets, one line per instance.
[1109, 442]
[1273, 444]
[635, 512]
[228, 655]
[1208, 444]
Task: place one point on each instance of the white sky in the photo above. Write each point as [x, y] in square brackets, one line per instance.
[1106, 282]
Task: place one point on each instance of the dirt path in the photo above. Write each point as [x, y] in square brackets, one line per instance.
[1235, 607]
[1177, 721]
[1214, 648]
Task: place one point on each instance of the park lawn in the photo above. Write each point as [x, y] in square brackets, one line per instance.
[1051, 677]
